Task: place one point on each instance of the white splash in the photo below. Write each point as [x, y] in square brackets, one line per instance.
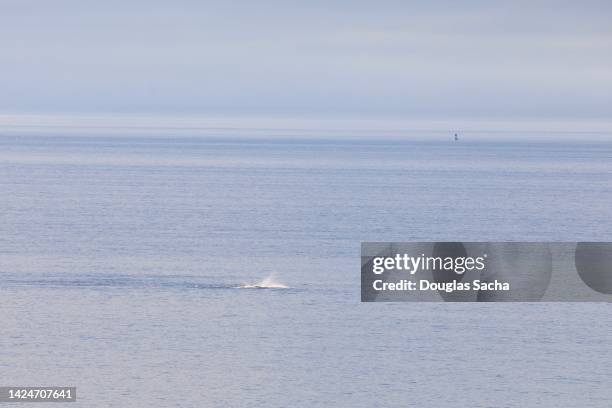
[268, 283]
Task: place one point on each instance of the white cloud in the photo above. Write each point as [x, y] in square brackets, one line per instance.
[481, 59]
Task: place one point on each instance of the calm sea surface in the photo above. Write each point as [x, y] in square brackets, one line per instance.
[121, 261]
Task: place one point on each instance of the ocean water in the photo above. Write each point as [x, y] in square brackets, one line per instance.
[129, 267]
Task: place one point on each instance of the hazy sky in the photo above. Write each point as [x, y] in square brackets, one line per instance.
[488, 59]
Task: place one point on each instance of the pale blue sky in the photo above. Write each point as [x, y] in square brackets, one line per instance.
[503, 60]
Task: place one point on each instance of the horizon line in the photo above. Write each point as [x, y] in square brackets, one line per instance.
[312, 126]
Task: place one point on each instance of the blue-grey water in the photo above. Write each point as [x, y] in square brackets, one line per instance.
[121, 261]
